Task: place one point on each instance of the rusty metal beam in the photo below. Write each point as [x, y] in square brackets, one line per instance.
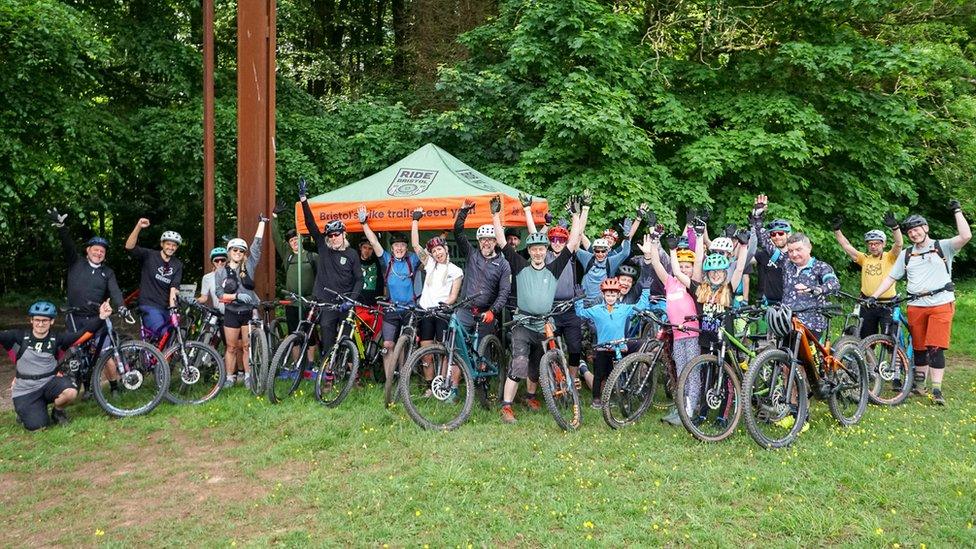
[256, 127]
[209, 235]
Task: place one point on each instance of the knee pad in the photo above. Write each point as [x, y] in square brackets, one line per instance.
[921, 358]
[574, 359]
[936, 358]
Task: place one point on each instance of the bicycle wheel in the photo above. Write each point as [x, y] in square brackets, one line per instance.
[391, 385]
[890, 372]
[440, 403]
[143, 382]
[257, 359]
[766, 392]
[337, 376]
[629, 390]
[559, 390]
[709, 398]
[285, 373]
[199, 378]
[849, 392]
[277, 332]
[488, 389]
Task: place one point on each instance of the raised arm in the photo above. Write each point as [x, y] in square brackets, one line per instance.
[495, 207]
[418, 213]
[696, 274]
[898, 239]
[130, 243]
[526, 201]
[281, 247]
[965, 233]
[464, 247]
[741, 260]
[845, 244]
[67, 246]
[370, 235]
[579, 225]
[653, 256]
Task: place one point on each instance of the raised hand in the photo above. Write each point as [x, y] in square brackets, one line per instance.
[143, 223]
[646, 245]
[467, 205]
[837, 223]
[759, 206]
[418, 213]
[955, 206]
[261, 218]
[362, 214]
[890, 221]
[730, 230]
[656, 231]
[672, 241]
[586, 198]
[302, 188]
[279, 207]
[742, 236]
[525, 200]
[57, 218]
[627, 225]
[495, 204]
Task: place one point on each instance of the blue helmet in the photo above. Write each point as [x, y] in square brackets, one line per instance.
[715, 262]
[219, 251]
[780, 225]
[97, 241]
[43, 308]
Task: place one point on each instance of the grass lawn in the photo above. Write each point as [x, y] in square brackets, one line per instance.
[240, 471]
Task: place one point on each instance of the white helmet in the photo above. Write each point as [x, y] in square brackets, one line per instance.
[601, 243]
[722, 244]
[237, 243]
[486, 231]
[875, 235]
[171, 236]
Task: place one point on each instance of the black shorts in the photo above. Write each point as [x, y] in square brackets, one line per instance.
[32, 407]
[236, 319]
[432, 328]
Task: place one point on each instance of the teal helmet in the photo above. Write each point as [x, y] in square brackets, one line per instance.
[537, 239]
[219, 251]
[715, 262]
[780, 225]
[43, 308]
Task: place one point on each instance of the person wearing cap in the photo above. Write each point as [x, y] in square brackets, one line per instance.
[304, 270]
[875, 266]
[235, 289]
[160, 277]
[487, 275]
[927, 264]
[208, 291]
[513, 237]
[37, 382]
[771, 256]
[536, 282]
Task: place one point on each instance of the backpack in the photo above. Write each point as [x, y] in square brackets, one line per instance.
[937, 248]
[389, 271]
[22, 348]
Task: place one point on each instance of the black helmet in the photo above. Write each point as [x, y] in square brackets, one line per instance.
[913, 221]
[290, 234]
[779, 319]
[627, 270]
[398, 237]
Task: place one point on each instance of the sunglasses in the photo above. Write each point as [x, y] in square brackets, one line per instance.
[599, 250]
[558, 240]
[777, 233]
[220, 260]
[333, 235]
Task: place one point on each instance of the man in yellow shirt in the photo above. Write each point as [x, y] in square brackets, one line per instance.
[875, 266]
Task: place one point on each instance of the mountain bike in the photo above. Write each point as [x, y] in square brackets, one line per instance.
[290, 362]
[140, 368]
[557, 383]
[439, 382]
[891, 358]
[406, 343]
[337, 375]
[196, 369]
[781, 378]
[709, 392]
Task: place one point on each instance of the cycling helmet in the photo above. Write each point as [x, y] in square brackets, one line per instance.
[610, 285]
[779, 225]
[558, 232]
[335, 227]
[779, 320]
[43, 308]
[97, 241]
[715, 262]
[219, 251]
[398, 237]
[435, 242]
[171, 236]
[722, 244]
[627, 270]
[683, 243]
[875, 235]
[486, 231]
[611, 234]
[290, 234]
[237, 243]
[600, 243]
[537, 239]
[685, 256]
[913, 221]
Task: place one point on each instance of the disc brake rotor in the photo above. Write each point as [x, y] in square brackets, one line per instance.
[132, 380]
[190, 375]
[440, 388]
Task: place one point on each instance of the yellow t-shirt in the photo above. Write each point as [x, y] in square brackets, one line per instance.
[874, 270]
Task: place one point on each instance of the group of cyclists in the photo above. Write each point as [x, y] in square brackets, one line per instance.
[506, 288]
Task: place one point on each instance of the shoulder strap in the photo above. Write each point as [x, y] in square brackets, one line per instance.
[24, 345]
[937, 249]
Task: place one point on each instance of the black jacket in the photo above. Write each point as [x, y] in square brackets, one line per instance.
[87, 284]
[338, 270]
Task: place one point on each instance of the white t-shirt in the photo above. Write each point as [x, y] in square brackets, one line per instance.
[208, 289]
[438, 280]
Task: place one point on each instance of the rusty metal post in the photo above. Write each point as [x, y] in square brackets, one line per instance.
[208, 133]
[255, 127]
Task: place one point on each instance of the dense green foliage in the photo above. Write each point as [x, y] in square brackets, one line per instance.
[831, 107]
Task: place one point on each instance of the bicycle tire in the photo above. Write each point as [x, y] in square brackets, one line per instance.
[283, 364]
[489, 394]
[144, 384]
[759, 411]
[559, 390]
[257, 359]
[342, 365]
[201, 381]
[629, 389]
[887, 361]
[277, 332]
[391, 385]
[422, 409]
[854, 391]
[714, 397]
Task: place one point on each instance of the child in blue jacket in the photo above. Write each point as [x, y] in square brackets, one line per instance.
[610, 319]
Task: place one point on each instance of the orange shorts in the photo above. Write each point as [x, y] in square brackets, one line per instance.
[931, 326]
